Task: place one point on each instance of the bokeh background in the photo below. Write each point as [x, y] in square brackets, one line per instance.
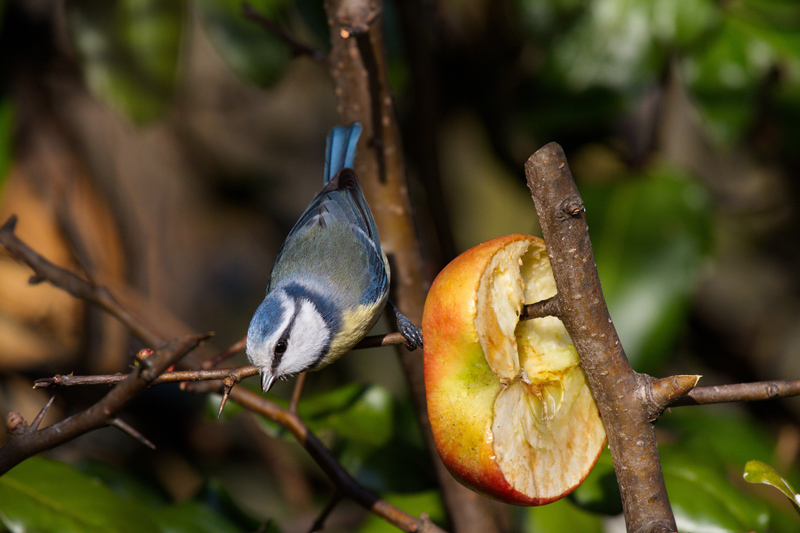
[165, 148]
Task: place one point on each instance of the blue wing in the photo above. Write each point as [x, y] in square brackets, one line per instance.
[341, 149]
[341, 201]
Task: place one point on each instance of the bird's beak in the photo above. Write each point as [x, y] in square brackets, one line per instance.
[267, 379]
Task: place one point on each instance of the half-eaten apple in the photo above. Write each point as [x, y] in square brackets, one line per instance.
[510, 409]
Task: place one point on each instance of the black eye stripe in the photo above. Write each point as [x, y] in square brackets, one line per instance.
[281, 346]
[283, 340]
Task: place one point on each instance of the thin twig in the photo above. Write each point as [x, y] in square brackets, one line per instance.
[548, 307]
[233, 349]
[39, 417]
[77, 286]
[297, 48]
[23, 445]
[298, 391]
[319, 523]
[178, 376]
[100, 414]
[131, 431]
[740, 392]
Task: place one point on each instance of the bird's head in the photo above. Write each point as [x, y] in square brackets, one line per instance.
[290, 332]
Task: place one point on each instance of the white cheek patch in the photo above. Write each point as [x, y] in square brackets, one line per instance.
[307, 339]
[260, 349]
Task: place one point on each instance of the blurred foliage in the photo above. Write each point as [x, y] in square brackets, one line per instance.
[50, 497]
[428, 502]
[249, 49]
[649, 264]
[373, 437]
[702, 496]
[680, 120]
[129, 52]
[599, 492]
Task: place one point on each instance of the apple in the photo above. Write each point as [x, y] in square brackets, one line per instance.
[510, 409]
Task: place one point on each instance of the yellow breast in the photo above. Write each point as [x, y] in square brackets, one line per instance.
[355, 326]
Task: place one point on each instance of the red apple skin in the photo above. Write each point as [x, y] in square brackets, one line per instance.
[460, 387]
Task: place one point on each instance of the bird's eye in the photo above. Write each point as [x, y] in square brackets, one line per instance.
[280, 346]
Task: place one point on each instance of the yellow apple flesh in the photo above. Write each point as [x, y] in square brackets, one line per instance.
[511, 412]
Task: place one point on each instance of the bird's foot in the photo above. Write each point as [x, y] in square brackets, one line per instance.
[411, 333]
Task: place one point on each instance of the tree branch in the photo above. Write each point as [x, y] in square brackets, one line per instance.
[297, 48]
[44, 270]
[740, 392]
[548, 307]
[343, 481]
[102, 413]
[25, 443]
[617, 389]
[359, 68]
[207, 373]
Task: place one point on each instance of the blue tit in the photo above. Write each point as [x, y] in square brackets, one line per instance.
[330, 280]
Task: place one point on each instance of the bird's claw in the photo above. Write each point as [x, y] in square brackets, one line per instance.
[411, 333]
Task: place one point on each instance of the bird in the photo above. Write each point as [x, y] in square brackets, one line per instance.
[330, 280]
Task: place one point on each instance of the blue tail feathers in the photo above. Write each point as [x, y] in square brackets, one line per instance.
[341, 149]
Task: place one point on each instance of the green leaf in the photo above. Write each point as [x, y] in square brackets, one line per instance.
[250, 50]
[730, 436]
[192, 517]
[215, 497]
[45, 496]
[129, 52]
[651, 236]
[703, 498]
[427, 502]
[362, 413]
[759, 472]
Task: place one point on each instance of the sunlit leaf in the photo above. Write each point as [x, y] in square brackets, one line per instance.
[46, 496]
[759, 472]
[129, 52]
[192, 517]
[357, 412]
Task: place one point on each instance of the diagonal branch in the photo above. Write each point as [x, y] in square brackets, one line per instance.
[344, 482]
[24, 444]
[44, 270]
[102, 413]
[297, 48]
